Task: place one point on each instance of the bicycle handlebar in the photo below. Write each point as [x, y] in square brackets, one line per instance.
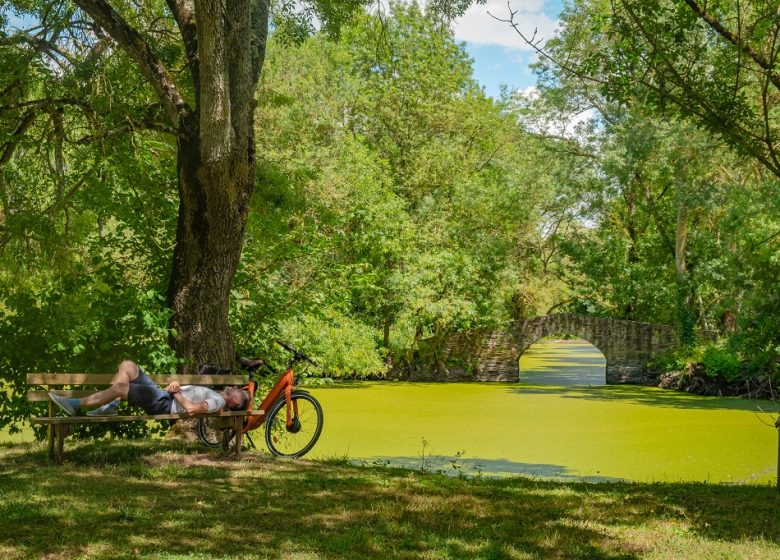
[296, 354]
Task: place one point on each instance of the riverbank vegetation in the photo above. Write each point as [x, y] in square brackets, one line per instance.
[109, 497]
[393, 200]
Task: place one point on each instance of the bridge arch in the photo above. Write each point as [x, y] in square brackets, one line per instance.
[529, 331]
[570, 361]
[493, 355]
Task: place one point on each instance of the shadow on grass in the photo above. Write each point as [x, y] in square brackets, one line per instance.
[570, 377]
[647, 396]
[475, 466]
[147, 499]
[574, 387]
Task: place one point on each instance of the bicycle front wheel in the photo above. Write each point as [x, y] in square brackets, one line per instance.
[298, 439]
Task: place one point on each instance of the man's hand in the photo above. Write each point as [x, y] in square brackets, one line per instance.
[173, 387]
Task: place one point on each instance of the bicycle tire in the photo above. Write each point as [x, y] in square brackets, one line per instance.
[208, 435]
[296, 442]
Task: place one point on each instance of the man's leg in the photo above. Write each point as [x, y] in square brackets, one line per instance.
[126, 374]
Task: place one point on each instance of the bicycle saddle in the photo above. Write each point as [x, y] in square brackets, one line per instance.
[251, 364]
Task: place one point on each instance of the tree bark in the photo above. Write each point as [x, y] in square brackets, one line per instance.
[680, 264]
[216, 168]
[386, 333]
[633, 258]
[685, 311]
[208, 247]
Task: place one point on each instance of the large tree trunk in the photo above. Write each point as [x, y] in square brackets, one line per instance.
[214, 200]
[216, 168]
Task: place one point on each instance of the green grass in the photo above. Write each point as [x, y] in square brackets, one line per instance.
[168, 500]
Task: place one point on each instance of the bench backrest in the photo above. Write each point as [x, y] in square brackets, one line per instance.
[58, 381]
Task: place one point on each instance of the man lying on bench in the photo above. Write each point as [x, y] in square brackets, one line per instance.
[132, 385]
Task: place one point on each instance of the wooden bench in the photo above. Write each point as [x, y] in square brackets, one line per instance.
[74, 385]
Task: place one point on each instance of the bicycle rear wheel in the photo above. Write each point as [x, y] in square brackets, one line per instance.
[298, 439]
[210, 436]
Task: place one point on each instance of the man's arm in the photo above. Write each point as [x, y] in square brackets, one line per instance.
[189, 406]
[174, 388]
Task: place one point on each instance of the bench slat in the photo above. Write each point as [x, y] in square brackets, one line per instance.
[105, 379]
[135, 418]
[43, 396]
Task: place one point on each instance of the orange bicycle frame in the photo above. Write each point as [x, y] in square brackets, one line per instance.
[284, 384]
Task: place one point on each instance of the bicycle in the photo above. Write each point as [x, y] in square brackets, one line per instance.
[293, 417]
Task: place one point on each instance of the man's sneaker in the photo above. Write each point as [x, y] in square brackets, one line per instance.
[70, 406]
[108, 409]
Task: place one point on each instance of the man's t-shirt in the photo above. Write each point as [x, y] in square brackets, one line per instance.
[196, 394]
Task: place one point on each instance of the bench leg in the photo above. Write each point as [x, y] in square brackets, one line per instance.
[225, 441]
[50, 429]
[238, 425]
[61, 431]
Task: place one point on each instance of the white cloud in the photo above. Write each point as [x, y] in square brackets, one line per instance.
[477, 26]
[530, 92]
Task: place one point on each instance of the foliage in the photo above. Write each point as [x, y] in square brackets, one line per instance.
[345, 347]
[718, 360]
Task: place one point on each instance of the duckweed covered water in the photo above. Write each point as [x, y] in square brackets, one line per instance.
[560, 421]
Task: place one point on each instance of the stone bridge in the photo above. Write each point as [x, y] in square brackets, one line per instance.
[494, 355]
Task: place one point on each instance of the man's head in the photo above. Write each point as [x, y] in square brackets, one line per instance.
[235, 398]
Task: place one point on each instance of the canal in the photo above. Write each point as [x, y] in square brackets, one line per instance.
[560, 421]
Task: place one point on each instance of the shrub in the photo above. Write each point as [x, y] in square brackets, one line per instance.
[718, 360]
[721, 362]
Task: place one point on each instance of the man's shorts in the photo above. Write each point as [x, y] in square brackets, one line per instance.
[145, 393]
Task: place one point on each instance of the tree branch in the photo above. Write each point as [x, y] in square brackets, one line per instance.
[43, 45]
[736, 40]
[139, 50]
[654, 212]
[757, 243]
[10, 146]
[260, 14]
[534, 44]
[130, 126]
[702, 108]
[184, 13]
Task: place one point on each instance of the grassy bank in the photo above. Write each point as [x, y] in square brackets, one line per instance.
[172, 501]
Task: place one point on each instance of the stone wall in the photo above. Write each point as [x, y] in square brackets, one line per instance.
[494, 355]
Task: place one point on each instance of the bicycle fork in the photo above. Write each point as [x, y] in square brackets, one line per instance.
[293, 423]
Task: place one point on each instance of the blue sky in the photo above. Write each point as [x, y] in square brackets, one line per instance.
[500, 55]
